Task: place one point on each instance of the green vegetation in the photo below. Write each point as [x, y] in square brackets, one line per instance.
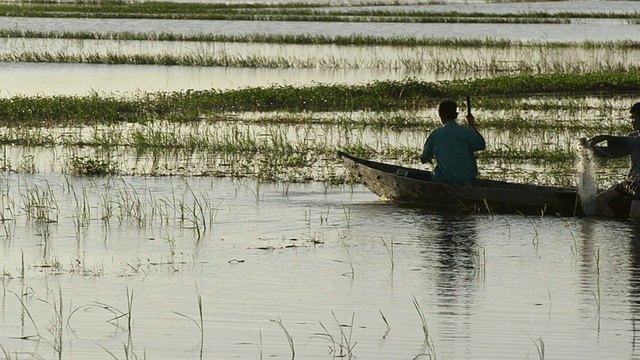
[83, 165]
[272, 141]
[280, 133]
[275, 153]
[410, 94]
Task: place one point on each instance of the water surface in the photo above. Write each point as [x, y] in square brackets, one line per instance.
[311, 257]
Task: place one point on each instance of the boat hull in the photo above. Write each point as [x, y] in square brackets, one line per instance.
[414, 187]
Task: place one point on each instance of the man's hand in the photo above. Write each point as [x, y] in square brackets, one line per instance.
[597, 139]
[471, 120]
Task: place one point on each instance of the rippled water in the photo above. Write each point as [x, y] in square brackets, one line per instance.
[311, 258]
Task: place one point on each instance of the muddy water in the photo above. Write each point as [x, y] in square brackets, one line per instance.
[304, 258]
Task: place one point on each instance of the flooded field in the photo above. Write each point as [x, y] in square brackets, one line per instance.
[150, 219]
[253, 65]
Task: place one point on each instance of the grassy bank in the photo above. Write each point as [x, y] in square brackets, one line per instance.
[491, 93]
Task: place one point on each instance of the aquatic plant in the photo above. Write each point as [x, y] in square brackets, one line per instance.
[430, 346]
[40, 204]
[288, 335]
[83, 165]
[482, 61]
[200, 322]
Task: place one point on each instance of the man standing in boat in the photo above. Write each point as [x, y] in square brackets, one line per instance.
[623, 199]
[453, 147]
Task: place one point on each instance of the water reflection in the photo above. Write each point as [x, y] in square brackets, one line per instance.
[610, 262]
[450, 248]
[634, 282]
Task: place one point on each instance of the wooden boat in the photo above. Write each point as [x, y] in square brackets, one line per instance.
[414, 187]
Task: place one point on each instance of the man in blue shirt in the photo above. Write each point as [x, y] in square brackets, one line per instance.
[453, 146]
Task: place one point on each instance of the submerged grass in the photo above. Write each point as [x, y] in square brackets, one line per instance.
[83, 165]
[294, 136]
[318, 39]
[416, 60]
[206, 133]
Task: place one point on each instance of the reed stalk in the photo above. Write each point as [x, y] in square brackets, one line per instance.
[23, 336]
[288, 336]
[427, 338]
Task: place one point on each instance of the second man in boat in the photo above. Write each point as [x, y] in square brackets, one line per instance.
[621, 200]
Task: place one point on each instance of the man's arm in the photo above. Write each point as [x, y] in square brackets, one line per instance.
[617, 146]
[481, 144]
[427, 151]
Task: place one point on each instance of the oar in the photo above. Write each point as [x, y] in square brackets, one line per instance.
[468, 105]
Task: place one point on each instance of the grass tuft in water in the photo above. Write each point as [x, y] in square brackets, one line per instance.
[83, 165]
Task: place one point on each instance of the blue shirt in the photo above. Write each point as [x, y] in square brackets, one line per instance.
[453, 146]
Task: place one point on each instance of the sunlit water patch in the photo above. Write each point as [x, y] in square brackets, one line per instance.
[45, 79]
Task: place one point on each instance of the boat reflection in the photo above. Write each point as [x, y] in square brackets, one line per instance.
[452, 254]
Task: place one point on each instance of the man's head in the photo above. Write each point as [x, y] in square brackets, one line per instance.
[635, 115]
[448, 110]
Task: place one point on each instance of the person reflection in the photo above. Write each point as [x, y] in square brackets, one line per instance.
[451, 251]
[591, 262]
[634, 283]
